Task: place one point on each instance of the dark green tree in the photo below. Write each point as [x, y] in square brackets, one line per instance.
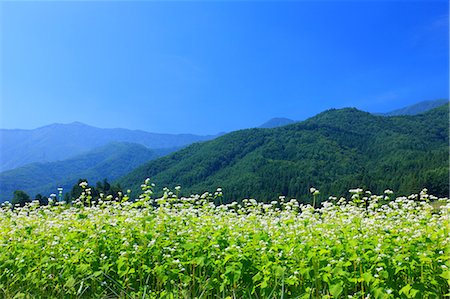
[43, 200]
[102, 187]
[77, 189]
[20, 198]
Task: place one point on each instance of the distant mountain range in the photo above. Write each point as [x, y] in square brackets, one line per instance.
[417, 108]
[277, 122]
[333, 151]
[108, 161]
[40, 160]
[61, 141]
[413, 109]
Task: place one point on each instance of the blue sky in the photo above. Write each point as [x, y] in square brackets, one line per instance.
[207, 66]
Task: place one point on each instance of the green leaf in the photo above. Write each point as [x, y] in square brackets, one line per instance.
[445, 274]
[19, 296]
[200, 260]
[279, 271]
[257, 277]
[98, 273]
[367, 277]
[378, 293]
[413, 292]
[336, 290]
[405, 290]
[70, 283]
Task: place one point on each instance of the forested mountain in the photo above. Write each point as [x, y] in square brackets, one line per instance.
[414, 109]
[417, 108]
[109, 161]
[277, 122]
[333, 151]
[61, 141]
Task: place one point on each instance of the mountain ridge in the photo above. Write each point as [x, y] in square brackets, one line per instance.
[416, 108]
[276, 122]
[108, 161]
[335, 150]
[61, 141]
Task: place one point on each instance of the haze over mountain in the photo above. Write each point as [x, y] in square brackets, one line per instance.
[413, 109]
[333, 151]
[61, 141]
[416, 108]
[277, 122]
[108, 161]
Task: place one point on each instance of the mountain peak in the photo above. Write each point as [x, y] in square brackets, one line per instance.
[58, 125]
[277, 122]
[77, 123]
[416, 108]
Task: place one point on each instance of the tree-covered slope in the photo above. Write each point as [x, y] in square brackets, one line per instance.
[333, 151]
[416, 108]
[110, 161]
[277, 122]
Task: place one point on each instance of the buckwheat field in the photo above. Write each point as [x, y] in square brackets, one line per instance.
[366, 246]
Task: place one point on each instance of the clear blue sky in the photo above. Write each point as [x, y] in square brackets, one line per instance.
[206, 66]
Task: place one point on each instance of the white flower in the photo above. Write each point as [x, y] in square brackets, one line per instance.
[356, 191]
[83, 184]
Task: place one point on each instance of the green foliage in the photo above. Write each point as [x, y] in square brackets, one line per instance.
[417, 108]
[333, 150]
[20, 198]
[172, 247]
[43, 200]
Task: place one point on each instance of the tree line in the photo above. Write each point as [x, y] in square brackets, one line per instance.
[101, 188]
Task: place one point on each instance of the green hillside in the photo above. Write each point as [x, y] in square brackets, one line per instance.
[333, 151]
[110, 161]
[277, 122]
[416, 108]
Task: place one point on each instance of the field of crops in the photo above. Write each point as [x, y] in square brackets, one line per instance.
[364, 247]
